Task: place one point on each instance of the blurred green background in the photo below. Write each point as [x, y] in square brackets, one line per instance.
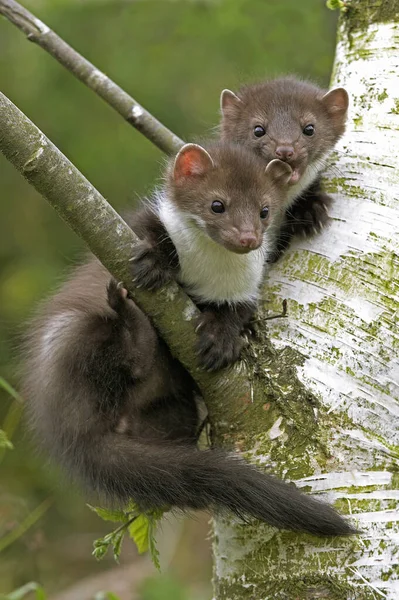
[174, 57]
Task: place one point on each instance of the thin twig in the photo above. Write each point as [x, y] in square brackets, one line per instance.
[125, 105]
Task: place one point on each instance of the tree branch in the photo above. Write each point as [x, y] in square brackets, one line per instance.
[125, 105]
[109, 238]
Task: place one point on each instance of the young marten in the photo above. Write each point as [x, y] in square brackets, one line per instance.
[297, 122]
[212, 227]
[105, 397]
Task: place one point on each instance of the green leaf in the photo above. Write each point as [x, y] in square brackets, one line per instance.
[336, 4]
[99, 550]
[138, 531]
[23, 591]
[9, 389]
[113, 539]
[152, 545]
[142, 531]
[4, 441]
[117, 516]
[117, 543]
[101, 546]
[106, 596]
[140, 526]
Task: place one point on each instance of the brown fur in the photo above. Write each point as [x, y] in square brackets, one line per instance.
[197, 177]
[108, 402]
[242, 183]
[283, 107]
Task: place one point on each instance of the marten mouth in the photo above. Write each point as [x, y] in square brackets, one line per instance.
[239, 249]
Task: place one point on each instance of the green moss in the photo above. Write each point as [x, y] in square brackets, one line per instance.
[298, 588]
[358, 121]
[386, 576]
[340, 184]
[337, 5]
[361, 14]
[381, 97]
[395, 110]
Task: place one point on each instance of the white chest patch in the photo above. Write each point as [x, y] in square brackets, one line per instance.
[310, 174]
[208, 271]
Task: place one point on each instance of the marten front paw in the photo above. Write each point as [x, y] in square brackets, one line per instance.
[310, 216]
[217, 346]
[147, 269]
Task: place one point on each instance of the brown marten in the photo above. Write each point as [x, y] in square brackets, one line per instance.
[299, 123]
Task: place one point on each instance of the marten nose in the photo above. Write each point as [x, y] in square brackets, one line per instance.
[284, 152]
[248, 240]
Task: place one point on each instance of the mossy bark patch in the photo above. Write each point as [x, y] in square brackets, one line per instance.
[361, 13]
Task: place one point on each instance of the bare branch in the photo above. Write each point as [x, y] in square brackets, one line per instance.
[108, 237]
[127, 107]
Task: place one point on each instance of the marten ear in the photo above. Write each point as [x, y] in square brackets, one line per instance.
[279, 171]
[228, 100]
[336, 102]
[191, 161]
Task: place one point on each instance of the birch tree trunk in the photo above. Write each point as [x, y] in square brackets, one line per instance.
[329, 418]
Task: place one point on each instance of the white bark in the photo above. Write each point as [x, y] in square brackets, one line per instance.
[343, 307]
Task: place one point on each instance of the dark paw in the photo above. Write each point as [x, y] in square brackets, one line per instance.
[118, 300]
[308, 217]
[148, 271]
[217, 345]
[250, 331]
[116, 295]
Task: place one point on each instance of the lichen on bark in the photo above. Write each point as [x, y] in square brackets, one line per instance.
[361, 14]
[328, 374]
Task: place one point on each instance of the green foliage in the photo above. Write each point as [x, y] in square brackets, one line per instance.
[337, 4]
[105, 596]
[24, 591]
[141, 528]
[4, 441]
[12, 418]
[9, 389]
[163, 587]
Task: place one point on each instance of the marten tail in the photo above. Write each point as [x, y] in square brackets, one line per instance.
[186, 478]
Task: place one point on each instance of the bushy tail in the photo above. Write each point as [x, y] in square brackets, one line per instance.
[184, 477]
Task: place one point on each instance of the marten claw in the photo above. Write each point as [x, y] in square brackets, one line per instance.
[117, 296]
[201, 324]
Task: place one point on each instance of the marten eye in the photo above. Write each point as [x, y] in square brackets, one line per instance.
[259, 131]
[217, 206]
[308, 130]
[264, 212]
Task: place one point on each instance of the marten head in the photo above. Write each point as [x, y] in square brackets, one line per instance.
[228, 193]
[291, 120]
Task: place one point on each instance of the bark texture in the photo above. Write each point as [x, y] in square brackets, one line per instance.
[329, 415]
[111, 240]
